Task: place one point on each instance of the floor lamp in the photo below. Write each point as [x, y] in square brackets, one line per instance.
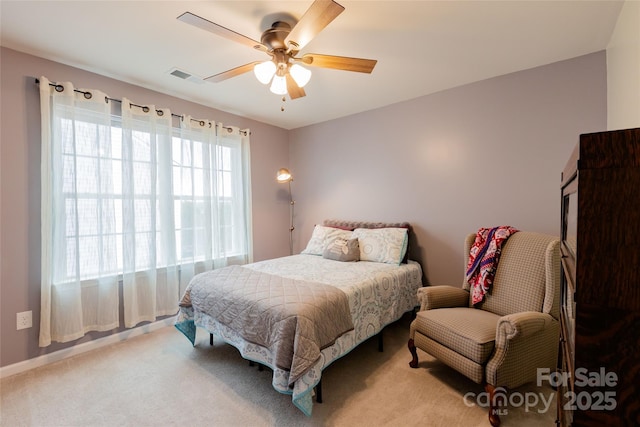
[283, 176]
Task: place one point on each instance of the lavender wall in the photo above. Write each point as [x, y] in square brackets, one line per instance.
[485, 154]
[623, 70]
[20, 178]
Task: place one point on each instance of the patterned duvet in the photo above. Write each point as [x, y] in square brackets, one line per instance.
[377, 293]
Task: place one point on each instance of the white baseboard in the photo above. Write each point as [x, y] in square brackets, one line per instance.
[56, 356]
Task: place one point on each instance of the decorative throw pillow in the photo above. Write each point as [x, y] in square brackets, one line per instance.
[322, 236]
[386, 245]
[342, 249]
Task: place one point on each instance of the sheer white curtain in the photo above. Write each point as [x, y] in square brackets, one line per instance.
[78, 215]
[150, 276]
[128, 200]
[212, 200]
[237, 172]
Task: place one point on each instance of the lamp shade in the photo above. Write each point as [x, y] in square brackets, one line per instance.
[279, 85]
[300, 74]
[264, 71]
[284, 175]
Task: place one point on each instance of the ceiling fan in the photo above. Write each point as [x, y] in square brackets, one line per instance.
[283, 42]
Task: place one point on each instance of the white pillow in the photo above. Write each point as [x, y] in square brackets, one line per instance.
[323, 236]
[386, 245]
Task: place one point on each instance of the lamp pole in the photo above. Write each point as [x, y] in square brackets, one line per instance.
[291, 226]
[283, 175]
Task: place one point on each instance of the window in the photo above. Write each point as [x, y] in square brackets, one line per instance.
[93, 198]
[200, 170]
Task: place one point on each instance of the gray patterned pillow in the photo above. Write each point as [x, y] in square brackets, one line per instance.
[342, 249]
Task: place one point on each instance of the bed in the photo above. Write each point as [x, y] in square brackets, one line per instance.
[298, 314]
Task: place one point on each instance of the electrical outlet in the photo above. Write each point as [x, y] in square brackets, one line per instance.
[24, 320]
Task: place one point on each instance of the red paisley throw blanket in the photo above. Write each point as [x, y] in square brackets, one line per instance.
[483, 259]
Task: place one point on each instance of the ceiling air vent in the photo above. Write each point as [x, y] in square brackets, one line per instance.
[185, 76]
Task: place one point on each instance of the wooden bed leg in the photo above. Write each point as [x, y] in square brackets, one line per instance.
[380, 343]
[319, 392]
[210, 339]
[414, 353]
[260, 367]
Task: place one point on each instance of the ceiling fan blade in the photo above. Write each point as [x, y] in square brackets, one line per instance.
[318, 16]
[359, 65]
[294, 90]
[221, 31]
[232, 72]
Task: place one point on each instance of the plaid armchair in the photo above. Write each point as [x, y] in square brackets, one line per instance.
[513, 332]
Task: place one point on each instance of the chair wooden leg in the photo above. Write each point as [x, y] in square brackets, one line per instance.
[494, 417]
[414, 353]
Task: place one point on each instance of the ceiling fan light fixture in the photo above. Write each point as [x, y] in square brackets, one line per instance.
[300, 74]
[279, 85]
[264, 71]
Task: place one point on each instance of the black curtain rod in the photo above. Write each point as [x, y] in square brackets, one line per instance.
[88, 95]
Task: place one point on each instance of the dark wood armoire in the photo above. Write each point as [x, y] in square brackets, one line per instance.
[600, 315]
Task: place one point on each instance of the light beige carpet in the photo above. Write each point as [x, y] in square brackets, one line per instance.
[159, 379]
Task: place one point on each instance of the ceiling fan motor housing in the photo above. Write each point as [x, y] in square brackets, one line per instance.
[275, 36]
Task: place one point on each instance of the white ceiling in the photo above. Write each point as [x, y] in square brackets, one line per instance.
[422, 47]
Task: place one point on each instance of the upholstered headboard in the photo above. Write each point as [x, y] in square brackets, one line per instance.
[352, 225]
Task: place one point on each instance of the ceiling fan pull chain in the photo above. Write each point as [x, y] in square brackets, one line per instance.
[283, 100]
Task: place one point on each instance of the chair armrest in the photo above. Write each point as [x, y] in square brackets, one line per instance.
[521, 325]
[524, 343]
[431, 297]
